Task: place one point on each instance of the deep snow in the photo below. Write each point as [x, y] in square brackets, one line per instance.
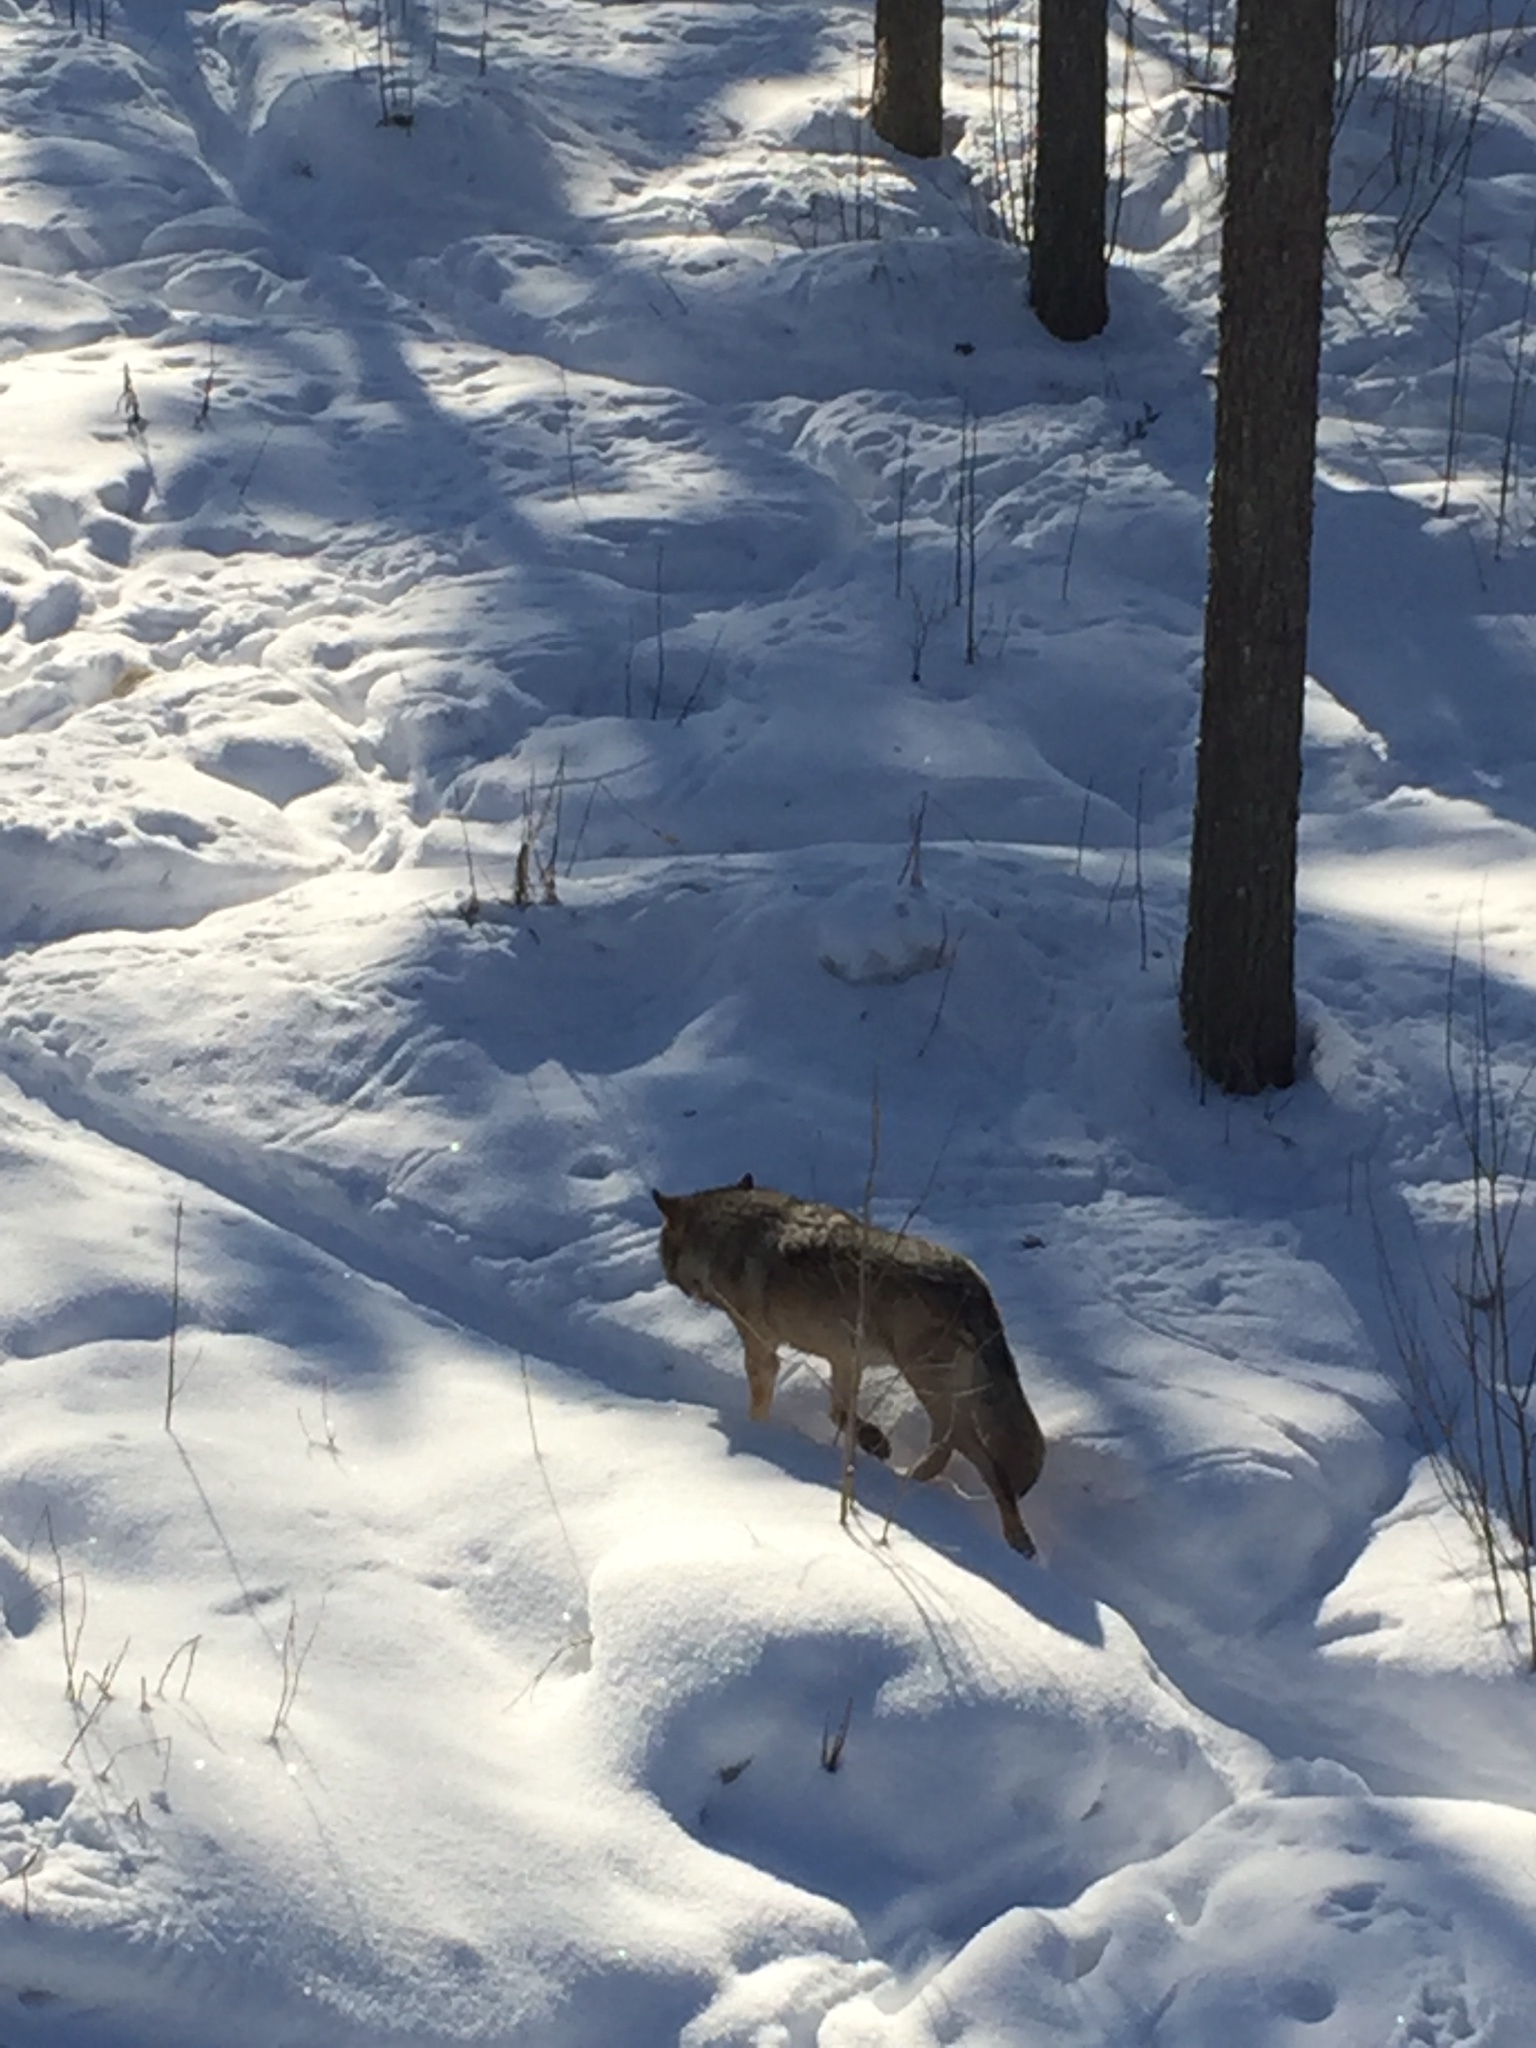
[579, 468]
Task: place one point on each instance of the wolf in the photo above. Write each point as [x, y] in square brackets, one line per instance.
[789, 1271]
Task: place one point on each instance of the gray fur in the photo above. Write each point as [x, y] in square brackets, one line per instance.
[788, 1271]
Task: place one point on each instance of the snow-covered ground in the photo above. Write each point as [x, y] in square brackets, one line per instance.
[578, 468]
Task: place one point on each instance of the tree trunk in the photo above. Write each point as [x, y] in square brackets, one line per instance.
[907, 106]
[1238, 991]
[1066, 256]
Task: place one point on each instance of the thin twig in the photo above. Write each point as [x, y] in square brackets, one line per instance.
[170, 1346]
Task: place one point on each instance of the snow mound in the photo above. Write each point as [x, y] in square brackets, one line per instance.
[1327, 1920]
[881, 935]
[866, 1721]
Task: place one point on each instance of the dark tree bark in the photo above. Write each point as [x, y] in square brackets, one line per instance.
[1238, 992]
[1067, 262]
[907, 106]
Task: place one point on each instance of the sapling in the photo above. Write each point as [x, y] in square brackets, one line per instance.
[204, 388]
[326, 1441]
[189, 1650]
[1465, 294]
[835, 1740]
[858, 164]
[963, 474]
[1519, 386]
[69, 1639]
[629, 671]
[581, 1639]
[1114, 893]
[912, 866]
[24, 1871]
[1082, 827]
[103, 1682]
[949, 954]
[397, 90]
[566, 1538]
[1471, 1380]
[903, 485]
[581, 830]
[549, 869]
[855, 1393]
[1141, 895]
[972, 523]
[1355, 57]
[293, 1655]
[924, 618]
[661, 638]
[1436, 111]
[691, 700]
[567, 408]
[1077, 520]
[1122, 143]
[1010, 119]
[469, 906]
[967, 521]
[255, 463]
[540, 812]
[128, 405]
[170, 1342]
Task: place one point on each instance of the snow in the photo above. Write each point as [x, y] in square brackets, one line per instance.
[577, 471]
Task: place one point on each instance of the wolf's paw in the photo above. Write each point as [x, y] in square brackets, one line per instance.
[874, 1440]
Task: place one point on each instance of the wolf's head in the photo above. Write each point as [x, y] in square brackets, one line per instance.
[686, 1241]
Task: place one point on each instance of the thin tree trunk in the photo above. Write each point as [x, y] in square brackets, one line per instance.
[907, 106]
[1067, 263]
[1238, 990]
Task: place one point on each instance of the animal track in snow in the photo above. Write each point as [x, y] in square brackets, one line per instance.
[21, 1603]
[38, 1798]
[107, 1315]
[53, 611]
[1306, 1999]
[1352, 1905]
[1437, 2016]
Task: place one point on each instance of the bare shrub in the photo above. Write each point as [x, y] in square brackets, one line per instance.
[1464, 1335]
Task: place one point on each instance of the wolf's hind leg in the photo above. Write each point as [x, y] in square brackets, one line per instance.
[1014, 1532]
[941, 1424]
[933, 1460]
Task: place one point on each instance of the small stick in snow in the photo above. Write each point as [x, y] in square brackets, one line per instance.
[170, 1349]
[835, 1740]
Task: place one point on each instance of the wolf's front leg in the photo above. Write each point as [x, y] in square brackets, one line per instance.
[762, 1363]
[869, 1436]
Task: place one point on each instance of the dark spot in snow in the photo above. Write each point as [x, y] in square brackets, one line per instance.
[40, 1798]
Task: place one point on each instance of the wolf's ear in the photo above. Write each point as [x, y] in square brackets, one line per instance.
[669, 1205]
[746, 1181]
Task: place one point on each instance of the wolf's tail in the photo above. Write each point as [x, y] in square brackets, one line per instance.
[1005, 1421]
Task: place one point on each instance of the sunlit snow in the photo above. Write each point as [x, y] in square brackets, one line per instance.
[486, 729]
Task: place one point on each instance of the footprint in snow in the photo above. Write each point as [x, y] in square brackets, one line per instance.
[21, 1603]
